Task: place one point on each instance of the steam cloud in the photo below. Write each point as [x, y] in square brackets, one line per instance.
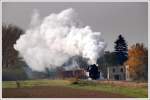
[56, 38]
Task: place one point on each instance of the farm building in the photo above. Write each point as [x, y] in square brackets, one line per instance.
[116, 73]
[78, 73]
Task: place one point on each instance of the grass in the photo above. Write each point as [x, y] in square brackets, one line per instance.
[140, 92]
[31, 83]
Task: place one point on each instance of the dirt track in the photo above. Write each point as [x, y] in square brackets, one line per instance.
[56, 92]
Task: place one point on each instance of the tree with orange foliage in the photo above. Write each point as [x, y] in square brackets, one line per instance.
[138, 62]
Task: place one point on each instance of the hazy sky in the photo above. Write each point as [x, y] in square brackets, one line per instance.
[110, 19]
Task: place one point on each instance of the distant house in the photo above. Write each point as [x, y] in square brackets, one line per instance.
[116, 73]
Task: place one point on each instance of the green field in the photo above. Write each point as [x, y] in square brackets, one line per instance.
[138, 92]
[31, 83]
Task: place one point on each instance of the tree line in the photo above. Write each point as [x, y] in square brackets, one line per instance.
[136, 56]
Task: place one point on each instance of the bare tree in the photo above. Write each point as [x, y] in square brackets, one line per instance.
[10, 33]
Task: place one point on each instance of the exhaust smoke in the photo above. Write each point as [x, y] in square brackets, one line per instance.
[57, 38]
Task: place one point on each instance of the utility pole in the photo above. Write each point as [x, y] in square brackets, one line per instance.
[108, 73]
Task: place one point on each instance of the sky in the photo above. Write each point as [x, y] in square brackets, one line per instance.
[111, 19]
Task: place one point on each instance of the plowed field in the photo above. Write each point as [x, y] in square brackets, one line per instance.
[56, 92]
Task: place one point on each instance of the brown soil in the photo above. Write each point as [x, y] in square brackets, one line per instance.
[56, 92]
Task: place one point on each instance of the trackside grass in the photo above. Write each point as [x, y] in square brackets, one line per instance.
[137, 92]
[31, 83]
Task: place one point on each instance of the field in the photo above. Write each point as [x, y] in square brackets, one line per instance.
[74, 89]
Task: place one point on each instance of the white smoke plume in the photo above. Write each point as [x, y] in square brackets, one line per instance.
[57, 38]
[35, 19]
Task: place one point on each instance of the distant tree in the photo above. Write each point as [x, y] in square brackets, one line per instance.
[138, 62]
[12, 74]
[10, 33]
[77, 61]
[48, 73]
[82, 62]
[107, 60]
[93, 72]
[121, 50]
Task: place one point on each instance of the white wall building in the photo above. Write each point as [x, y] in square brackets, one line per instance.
[116, 73]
